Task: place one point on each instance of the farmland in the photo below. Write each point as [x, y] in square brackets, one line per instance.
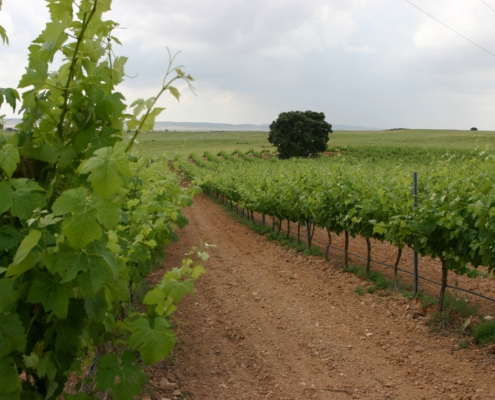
[184, 143]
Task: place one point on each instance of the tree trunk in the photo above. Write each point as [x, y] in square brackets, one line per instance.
[298, 233]
[288, 229]
[346, 249]
[329, 243]
[396, 271]
[445, 273]
[368, 259]
[308, 234]
[279, 226]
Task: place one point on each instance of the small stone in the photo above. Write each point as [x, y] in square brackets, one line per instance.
[419, 349]
[488, 318]
[177, 393]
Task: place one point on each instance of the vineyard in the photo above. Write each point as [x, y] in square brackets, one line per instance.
[368, 194]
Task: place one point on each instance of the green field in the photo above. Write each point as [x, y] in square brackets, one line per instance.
[185, 143]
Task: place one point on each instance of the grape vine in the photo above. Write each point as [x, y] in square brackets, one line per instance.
[454, 220]
[83, 222]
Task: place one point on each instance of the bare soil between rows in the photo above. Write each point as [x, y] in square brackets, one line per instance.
[269, 323]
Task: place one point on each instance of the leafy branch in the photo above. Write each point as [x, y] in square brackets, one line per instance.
[147, 121]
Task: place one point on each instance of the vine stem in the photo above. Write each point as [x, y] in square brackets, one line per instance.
[72, 69]
[165, 86]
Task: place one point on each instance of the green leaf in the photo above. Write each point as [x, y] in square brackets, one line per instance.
[6, 293]
[5, 197]
[25, 265]
[174, 92]
[93, 279]
[27, 244]
[54, 295]
[126, 379]
[12, 336]
[156, 296]
[32, 360]
[110, 106]
[47, 366]
[36, 75]
[107, 168]
[108, 212]
[9, 377]
[3, 35]
[9, 158]
[153, 344]
[25, 198]
[45, 152]
[68, 330]
[81, 228]
[177, 289]
[10, 95]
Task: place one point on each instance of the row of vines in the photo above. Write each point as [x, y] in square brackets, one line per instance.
[83, 221]
[454, 218]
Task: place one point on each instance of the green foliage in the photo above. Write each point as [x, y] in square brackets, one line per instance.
[299, 134]
[380, 282]
[454, 219]
[485, 333]
[83, 221]
[359, 290]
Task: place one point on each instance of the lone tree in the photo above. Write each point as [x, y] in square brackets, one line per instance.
[299, 134]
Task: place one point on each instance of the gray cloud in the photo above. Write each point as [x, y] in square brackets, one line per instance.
[374, 63]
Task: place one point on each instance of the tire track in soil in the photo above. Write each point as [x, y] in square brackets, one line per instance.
[270, 323]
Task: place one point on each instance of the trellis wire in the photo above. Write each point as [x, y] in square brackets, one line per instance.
[389, 266]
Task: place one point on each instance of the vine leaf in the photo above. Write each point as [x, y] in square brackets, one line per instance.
[47, 366]
[3, 35]
[128, 374]
[9, 158]
[25, 198]
[36, 75]
[9, 379]
[154, 344]
[8, 94]
[53, 294]
[5, 196]
[12, 335]
[107, 169]
[6, 293]
[81, 228]
[27, 244]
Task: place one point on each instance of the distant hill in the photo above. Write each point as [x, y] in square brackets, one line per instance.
[207, 126]
[211, 126]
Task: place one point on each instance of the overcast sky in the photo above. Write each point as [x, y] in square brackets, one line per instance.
[374, 63]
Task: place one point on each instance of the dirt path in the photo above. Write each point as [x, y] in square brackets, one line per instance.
[268, 323]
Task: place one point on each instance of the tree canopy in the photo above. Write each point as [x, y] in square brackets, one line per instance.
[299, 134]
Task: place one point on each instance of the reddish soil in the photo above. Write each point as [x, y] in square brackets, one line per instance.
[385, 253]
[268, 323]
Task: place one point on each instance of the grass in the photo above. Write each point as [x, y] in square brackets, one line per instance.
[184, 143]
[485, 333]
[359, 290]
[380, 282]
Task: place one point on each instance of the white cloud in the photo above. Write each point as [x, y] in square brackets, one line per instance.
[362, 62]
[360, 49]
